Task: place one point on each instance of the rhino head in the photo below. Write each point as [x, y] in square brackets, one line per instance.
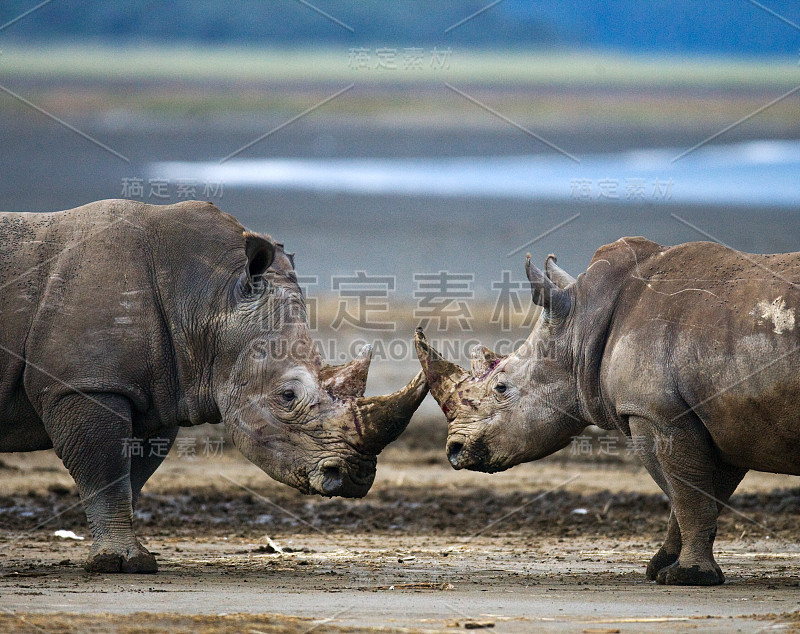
[511, 409]
[304, 422]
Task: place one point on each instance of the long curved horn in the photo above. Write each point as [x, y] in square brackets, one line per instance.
[349, 379]
[443, 376]
[381, 419]
[556, 273]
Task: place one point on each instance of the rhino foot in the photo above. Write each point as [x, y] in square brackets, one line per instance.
[136, 560]
[677, 575]
[662, 559]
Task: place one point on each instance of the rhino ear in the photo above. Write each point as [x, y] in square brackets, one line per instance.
[556, 273]
[260, 253]
[554, 301]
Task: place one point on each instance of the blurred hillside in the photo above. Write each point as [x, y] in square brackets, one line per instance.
[738, 27]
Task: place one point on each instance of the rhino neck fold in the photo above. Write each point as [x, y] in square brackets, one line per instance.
[600, 293]
[595, 307]
[193, 367]
[191, 300]
[197, 404]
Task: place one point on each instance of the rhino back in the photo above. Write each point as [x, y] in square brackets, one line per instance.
[100, 294]
[704, 328]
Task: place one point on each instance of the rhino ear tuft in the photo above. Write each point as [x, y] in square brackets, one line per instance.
[260, 251]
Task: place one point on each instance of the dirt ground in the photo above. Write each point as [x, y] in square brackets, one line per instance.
[557, 545]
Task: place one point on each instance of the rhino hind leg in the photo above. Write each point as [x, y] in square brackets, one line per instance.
[678, 454]
[90, 434]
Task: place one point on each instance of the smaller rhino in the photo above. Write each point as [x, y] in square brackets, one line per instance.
[691, 351]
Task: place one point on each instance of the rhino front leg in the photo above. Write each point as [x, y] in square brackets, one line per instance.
[726, 479]
[143, 465]
[678, 455]
[670, 550]
[91, 434]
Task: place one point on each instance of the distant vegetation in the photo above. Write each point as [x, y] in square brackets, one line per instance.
[657, 26]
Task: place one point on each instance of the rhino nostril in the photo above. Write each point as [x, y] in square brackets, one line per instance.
[332, 479]
[454, 449]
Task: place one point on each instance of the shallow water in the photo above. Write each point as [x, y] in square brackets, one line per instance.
[758, 173]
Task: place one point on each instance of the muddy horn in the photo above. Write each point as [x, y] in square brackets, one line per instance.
[349, 379]
[443, 376]
[383, 418]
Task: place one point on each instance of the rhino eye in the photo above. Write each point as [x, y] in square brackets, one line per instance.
[288, 395]
[500, 388]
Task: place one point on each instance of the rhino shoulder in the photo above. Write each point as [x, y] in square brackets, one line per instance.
[139, 214]
[626, 252]
[204, 216]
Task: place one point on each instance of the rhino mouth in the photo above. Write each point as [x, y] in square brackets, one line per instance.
[340, 478]
[471, 454]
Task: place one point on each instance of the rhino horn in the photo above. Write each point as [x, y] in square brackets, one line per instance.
[381, 419]
[443, 376]
[556, 273]
[482, 360]
[349, 379]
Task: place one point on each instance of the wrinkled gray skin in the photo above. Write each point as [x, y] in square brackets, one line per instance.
[123, 322]
[692, 351]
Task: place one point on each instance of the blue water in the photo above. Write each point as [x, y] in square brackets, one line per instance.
[756, 173]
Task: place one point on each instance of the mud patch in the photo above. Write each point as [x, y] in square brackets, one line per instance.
[782, 318]
[397, 510]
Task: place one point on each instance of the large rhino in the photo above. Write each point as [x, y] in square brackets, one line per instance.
[124, 322]
[691, 351]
